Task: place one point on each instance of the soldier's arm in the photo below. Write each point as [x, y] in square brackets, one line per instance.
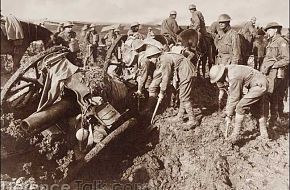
[283, 59]
[195, 22]
[235, 93]
[175, 27]
[166, 73]
[236, 44]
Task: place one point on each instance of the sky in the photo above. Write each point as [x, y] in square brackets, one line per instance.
[148, 11]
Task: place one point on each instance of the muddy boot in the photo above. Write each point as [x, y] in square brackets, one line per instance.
[238, 125]
[263, 128]
[192, 122]
[179, 116]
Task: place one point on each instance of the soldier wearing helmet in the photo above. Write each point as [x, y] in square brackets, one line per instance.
[228, 43]
[172, 65]
[275, 67]
[92, 40]
[68, 39]
[109, 37]
[197, 22]
[242, 77]
[135, 28]
[170, 28]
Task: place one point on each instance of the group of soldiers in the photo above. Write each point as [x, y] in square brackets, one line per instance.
[154, 68]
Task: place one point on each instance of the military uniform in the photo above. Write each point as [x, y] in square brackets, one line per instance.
[242, 77]
[180, 70]
[109, 38]
[92, 40]
[229, 48]
[275, 65]
[169, 29]
[145, 71]
[197, 22]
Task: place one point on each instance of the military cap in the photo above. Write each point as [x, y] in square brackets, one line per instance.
[192, 6]
[135, 24]
[272, 25]
[224, 18]
[173, 13]
[68, 24]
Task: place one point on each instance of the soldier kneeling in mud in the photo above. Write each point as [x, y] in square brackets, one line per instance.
[170, 65]
[240, 77]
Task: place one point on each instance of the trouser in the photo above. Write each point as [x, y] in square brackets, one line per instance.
[274, 101]
[93, 51]
[254, 99]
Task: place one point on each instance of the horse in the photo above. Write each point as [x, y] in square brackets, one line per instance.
[206, 50]
[32, 32]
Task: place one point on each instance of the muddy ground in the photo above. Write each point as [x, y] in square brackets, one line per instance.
[170, 157]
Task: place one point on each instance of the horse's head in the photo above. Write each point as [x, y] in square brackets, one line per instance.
[44, 35]
[189, 38]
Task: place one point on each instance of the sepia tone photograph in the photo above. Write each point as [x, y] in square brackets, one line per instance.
[144, 95]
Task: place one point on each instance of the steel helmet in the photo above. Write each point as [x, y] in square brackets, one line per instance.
[272, 25]
[137, 43]
[68, 24]
[152, 50]
[224, 18]
[216, 73]
[173, 13]
[130, 33]
[254, 18]
[192, 6]
[135, 24]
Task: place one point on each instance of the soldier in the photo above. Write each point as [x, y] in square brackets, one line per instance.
[117, 33]
[109, 37]
[249, 32]
[84, 30]
[240, 77]
[275, 67]
[174, 65]
[229, 48]
[92, 40]
[170, 28]
[59, 28]
[68, 39]
[197, 22]
[150, 33]
[135, 29]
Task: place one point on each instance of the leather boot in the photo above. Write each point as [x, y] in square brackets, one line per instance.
[179, 116]
[237, 129]
[192, 122]
[263, 128]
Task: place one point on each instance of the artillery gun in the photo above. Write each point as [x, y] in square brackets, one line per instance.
[50, 97]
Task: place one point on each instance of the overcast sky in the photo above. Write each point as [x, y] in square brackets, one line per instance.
[144, 11]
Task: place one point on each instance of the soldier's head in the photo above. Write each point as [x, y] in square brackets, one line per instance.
[117, 31]
[92, 27]
[135, 26]
[217, 73]
[273, 28]
[68, 26]
[192, 8]
[149, 29]
[152, 53]
[253, 20]
[173, 14]
[224, 21]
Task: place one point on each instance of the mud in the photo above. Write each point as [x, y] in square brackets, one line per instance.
[169, 157]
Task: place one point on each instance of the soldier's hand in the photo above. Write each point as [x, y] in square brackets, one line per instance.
[228, 120]
[161, 95]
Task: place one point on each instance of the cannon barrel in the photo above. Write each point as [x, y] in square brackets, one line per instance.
[39, 121]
